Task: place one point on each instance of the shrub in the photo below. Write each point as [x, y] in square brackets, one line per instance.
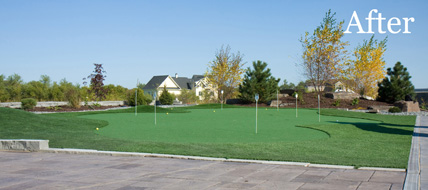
[142, 99]
[336, 103]
[187, 96]
[28, 103]
[355, 101]
[208, 97]
[394, 110]
[423, 104]
[166, 98]
[299, 97]
[72, 95]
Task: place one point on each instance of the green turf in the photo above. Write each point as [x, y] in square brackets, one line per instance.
[213, 126]
[345, 138]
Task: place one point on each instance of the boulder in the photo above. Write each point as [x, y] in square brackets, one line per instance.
[275, 103]
[342, 95]
[407, 106]
[376, 108]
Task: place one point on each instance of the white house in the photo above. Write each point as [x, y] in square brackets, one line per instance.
[331, 86]
[174, 85]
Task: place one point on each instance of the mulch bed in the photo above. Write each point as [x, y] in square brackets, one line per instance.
[69, 109]
[310, 100]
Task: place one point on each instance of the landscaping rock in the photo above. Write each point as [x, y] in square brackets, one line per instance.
[275, 103]
[408, 106]
[379, 108]
[342, 95]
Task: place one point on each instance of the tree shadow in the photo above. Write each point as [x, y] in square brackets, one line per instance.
[380, 127]
[421, 134]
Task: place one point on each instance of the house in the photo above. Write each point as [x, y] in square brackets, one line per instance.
[330, 86]
[174, 85]
[422, 95]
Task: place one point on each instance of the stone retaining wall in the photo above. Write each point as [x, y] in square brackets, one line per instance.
[24, 144]
[61, 103]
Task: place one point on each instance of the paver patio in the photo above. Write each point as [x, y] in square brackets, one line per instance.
[38, 170]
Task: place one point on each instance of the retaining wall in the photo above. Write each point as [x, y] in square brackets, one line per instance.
[53, 104]
[24, 144]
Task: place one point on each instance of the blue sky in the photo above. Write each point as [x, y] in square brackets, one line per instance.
[140, 39]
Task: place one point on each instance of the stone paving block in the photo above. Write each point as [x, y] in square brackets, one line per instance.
[338, 185]
[31, 184]
[236, 185]
[308, 178]
[270, 175]
[350, 175]
[193, 184]
[10, 180]
[278, 185]
[388, 177]
[155, 182]
[374, 185]
[397, 186]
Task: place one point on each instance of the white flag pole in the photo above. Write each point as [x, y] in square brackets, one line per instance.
[277, 100]
[136, 94]
[319, 109]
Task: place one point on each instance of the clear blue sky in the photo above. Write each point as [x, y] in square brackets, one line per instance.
[140, 39]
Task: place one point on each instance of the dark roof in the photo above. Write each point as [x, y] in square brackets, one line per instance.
[155, 82]
[183, 82]
[421, 90]
[197, 77]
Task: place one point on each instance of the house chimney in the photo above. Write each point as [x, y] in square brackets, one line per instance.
[176, 75]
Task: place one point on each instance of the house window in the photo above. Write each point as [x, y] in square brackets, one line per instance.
[200, 93]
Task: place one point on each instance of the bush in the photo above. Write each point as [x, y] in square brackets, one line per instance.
[166, 98]
[336, 103]
[423, 104]
[28, 103]
[394, 110]
[187, 96]
[142, 99]
[299, 96]
[355, 101]
[72, 95]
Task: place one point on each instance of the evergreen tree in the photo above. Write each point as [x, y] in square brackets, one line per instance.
[260, 81]
[397, 86]
[166, 98]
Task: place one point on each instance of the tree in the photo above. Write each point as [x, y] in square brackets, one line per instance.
[13, 87]
[225, 71]
[397, 86]
[323, 52]
[300, 86]
[208, 96]
[97, 82]
[142, 99]
[286, 85]
[367, 70]
[260, 81]
[4, 96]
[166, 98]
[187, 96]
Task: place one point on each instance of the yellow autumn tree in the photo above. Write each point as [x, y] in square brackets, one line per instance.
[324, 52]
[368, 68]
[225, 71]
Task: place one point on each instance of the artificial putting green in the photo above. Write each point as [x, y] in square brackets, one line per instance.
[342, 137]
[218, 126]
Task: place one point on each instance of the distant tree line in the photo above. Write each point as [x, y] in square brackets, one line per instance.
[14, 89]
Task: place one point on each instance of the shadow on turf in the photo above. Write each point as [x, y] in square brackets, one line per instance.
[380, 127]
